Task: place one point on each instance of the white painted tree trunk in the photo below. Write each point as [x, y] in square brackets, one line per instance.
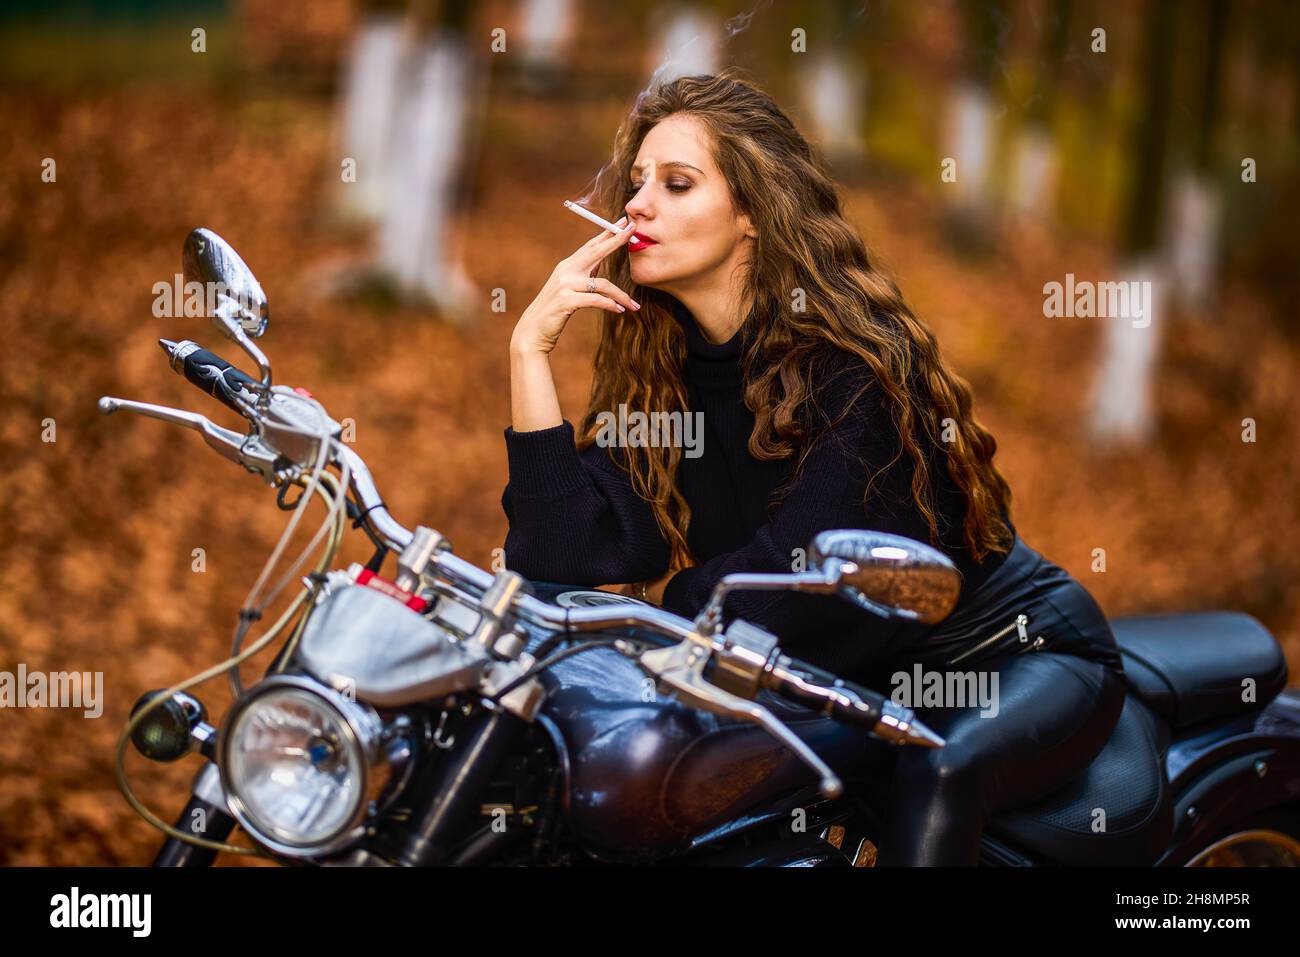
[545, 28]
[969, 137]
[371, 94]
[429, 138]
[1032, 190]
[1122, 402]
[688, 45]
[1193, 243]
[834, 94]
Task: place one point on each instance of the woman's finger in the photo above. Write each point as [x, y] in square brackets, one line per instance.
[583, 300]
[615, 293]
[603, 246]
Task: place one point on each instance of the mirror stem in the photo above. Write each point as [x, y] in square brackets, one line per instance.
[232, 329]
[706, 623]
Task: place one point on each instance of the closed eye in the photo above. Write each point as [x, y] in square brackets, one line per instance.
[673, 186]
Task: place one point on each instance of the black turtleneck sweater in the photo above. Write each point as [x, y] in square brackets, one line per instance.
[575, 518]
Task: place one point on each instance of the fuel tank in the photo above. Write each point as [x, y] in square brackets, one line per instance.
[648, 774]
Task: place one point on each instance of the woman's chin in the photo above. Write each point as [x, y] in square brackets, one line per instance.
[646, 276]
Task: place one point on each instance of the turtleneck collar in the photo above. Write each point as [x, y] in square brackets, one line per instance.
[695, 338]
[710, 365]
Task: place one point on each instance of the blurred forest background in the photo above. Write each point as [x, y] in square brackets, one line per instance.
[392, 170]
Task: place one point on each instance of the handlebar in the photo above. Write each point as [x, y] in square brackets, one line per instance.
[716, 672]
[794, 680]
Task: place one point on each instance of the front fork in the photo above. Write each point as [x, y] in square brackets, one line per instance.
[446, 793]
[204, 816]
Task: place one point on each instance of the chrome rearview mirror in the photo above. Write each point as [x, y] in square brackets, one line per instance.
[893, 576]
[239, 307]
[227, 281]
[889, 574]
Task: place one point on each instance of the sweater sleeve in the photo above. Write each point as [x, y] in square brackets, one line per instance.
[828, 493]
[574, 516]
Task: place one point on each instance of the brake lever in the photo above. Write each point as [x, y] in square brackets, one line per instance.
[679, 669]
[245, 450]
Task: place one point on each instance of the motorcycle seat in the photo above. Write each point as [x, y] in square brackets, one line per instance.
[1190, 668]
[1117, 813]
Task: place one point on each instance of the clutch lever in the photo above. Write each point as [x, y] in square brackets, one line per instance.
[246, 450]
[679, 669]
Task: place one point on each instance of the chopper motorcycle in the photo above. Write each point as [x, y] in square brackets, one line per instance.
[447, 715]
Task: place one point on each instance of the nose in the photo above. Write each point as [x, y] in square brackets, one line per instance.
[639, 206]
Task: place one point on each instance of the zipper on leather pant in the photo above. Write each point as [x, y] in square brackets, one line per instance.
[1019, 624]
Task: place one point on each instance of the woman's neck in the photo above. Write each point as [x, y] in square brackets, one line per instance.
[718, 307]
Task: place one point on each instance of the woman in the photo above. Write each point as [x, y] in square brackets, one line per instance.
[805, 396]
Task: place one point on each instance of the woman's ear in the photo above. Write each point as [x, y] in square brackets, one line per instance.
[748, 227]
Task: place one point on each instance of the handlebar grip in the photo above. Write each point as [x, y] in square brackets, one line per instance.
[211, 373]
[865, 712]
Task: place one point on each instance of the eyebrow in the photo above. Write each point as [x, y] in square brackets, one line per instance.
[674, 164]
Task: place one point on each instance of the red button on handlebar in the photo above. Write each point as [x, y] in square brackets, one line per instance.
[391, 589]
[301, 391]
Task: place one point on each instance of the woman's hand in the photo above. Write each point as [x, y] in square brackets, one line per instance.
[539, 328]
[654, 590]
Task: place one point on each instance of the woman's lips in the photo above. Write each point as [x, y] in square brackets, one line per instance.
[640, 241]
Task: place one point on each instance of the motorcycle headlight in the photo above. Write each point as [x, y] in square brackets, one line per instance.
[299, 763]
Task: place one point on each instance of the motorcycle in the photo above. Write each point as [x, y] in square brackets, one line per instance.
[447, 715]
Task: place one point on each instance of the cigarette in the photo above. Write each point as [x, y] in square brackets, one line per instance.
[592, 217]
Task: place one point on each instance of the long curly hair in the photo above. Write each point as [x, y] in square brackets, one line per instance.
[803, 243]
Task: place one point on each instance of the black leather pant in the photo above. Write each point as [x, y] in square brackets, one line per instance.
[1057, 702]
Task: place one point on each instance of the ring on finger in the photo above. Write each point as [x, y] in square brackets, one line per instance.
[591, 285]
